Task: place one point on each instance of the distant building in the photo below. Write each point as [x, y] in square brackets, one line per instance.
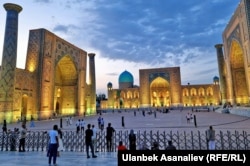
[160, 87]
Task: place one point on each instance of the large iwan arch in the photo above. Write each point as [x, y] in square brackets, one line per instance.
[65, 90]
[239, 84]
[160, 92]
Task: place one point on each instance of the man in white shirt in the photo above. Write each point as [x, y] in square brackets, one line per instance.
[53, 144]
[82, 124]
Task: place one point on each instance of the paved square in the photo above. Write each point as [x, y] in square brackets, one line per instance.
[173, 121]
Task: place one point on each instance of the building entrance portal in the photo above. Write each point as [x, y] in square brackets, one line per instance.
[240, 92]
[160, 92]
[24, 107]
[65, 87]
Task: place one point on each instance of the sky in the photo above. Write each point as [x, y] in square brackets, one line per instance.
[131, 34]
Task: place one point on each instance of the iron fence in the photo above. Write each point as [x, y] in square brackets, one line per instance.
[38, 140]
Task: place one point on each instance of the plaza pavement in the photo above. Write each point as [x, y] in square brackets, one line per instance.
[173, 121]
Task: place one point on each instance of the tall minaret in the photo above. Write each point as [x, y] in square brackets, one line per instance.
[221, 66]
[9, 57]
[92, 83]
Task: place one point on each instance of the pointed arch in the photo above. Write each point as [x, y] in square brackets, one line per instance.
[160, 92]
[240, 90]
[66, 81]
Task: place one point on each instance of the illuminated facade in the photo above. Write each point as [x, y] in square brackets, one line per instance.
[234, 62]
[160, 87]
[53, 81]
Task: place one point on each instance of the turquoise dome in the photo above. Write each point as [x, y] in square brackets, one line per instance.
[126, 77]
[109, 85]
[216, 78]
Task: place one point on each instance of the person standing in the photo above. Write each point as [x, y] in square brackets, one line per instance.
[60, 147]
[67, 121]
[110, 130]
[155, 146]
[210, 133]
[102, 124]
[82, 124]
[99, 122]
[22, 139]
[70, 120]
[78, 123]
[53, 144]
[143, 113]
[123, 124]
[4, 126]
[188, 117]
[132, 140]
[94, 140]
[88, 141]
[32, 123]
[170, 146]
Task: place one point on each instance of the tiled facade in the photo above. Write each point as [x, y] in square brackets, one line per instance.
[234, 57]
[53, 81]
[161, 87]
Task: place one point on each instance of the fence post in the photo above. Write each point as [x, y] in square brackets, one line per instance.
[138, 143]
[178, 140]
[7, 141]
[192, 140]
[237, 142]
[222, 141]
[185, 140]
[164, 140]
[144, 137]
[151, 137]
[33, 141]
[229, 139]
[171, 135]
[158, 139]
[37, 142]
[199, 136]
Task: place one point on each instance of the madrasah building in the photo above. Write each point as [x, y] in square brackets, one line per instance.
[53, 81]
[160, 87]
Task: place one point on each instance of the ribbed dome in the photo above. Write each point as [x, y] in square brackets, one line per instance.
[126, 77]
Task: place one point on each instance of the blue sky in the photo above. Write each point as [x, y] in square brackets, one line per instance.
[132, 34]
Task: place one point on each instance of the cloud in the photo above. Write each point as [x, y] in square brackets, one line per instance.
[61, 28]
[113, 74]
[43, 1]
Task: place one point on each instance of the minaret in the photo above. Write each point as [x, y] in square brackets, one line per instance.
[9, 57]
[9, 52]
[221, 66]
[92, 83]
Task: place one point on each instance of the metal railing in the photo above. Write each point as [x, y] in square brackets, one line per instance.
[38, 140]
